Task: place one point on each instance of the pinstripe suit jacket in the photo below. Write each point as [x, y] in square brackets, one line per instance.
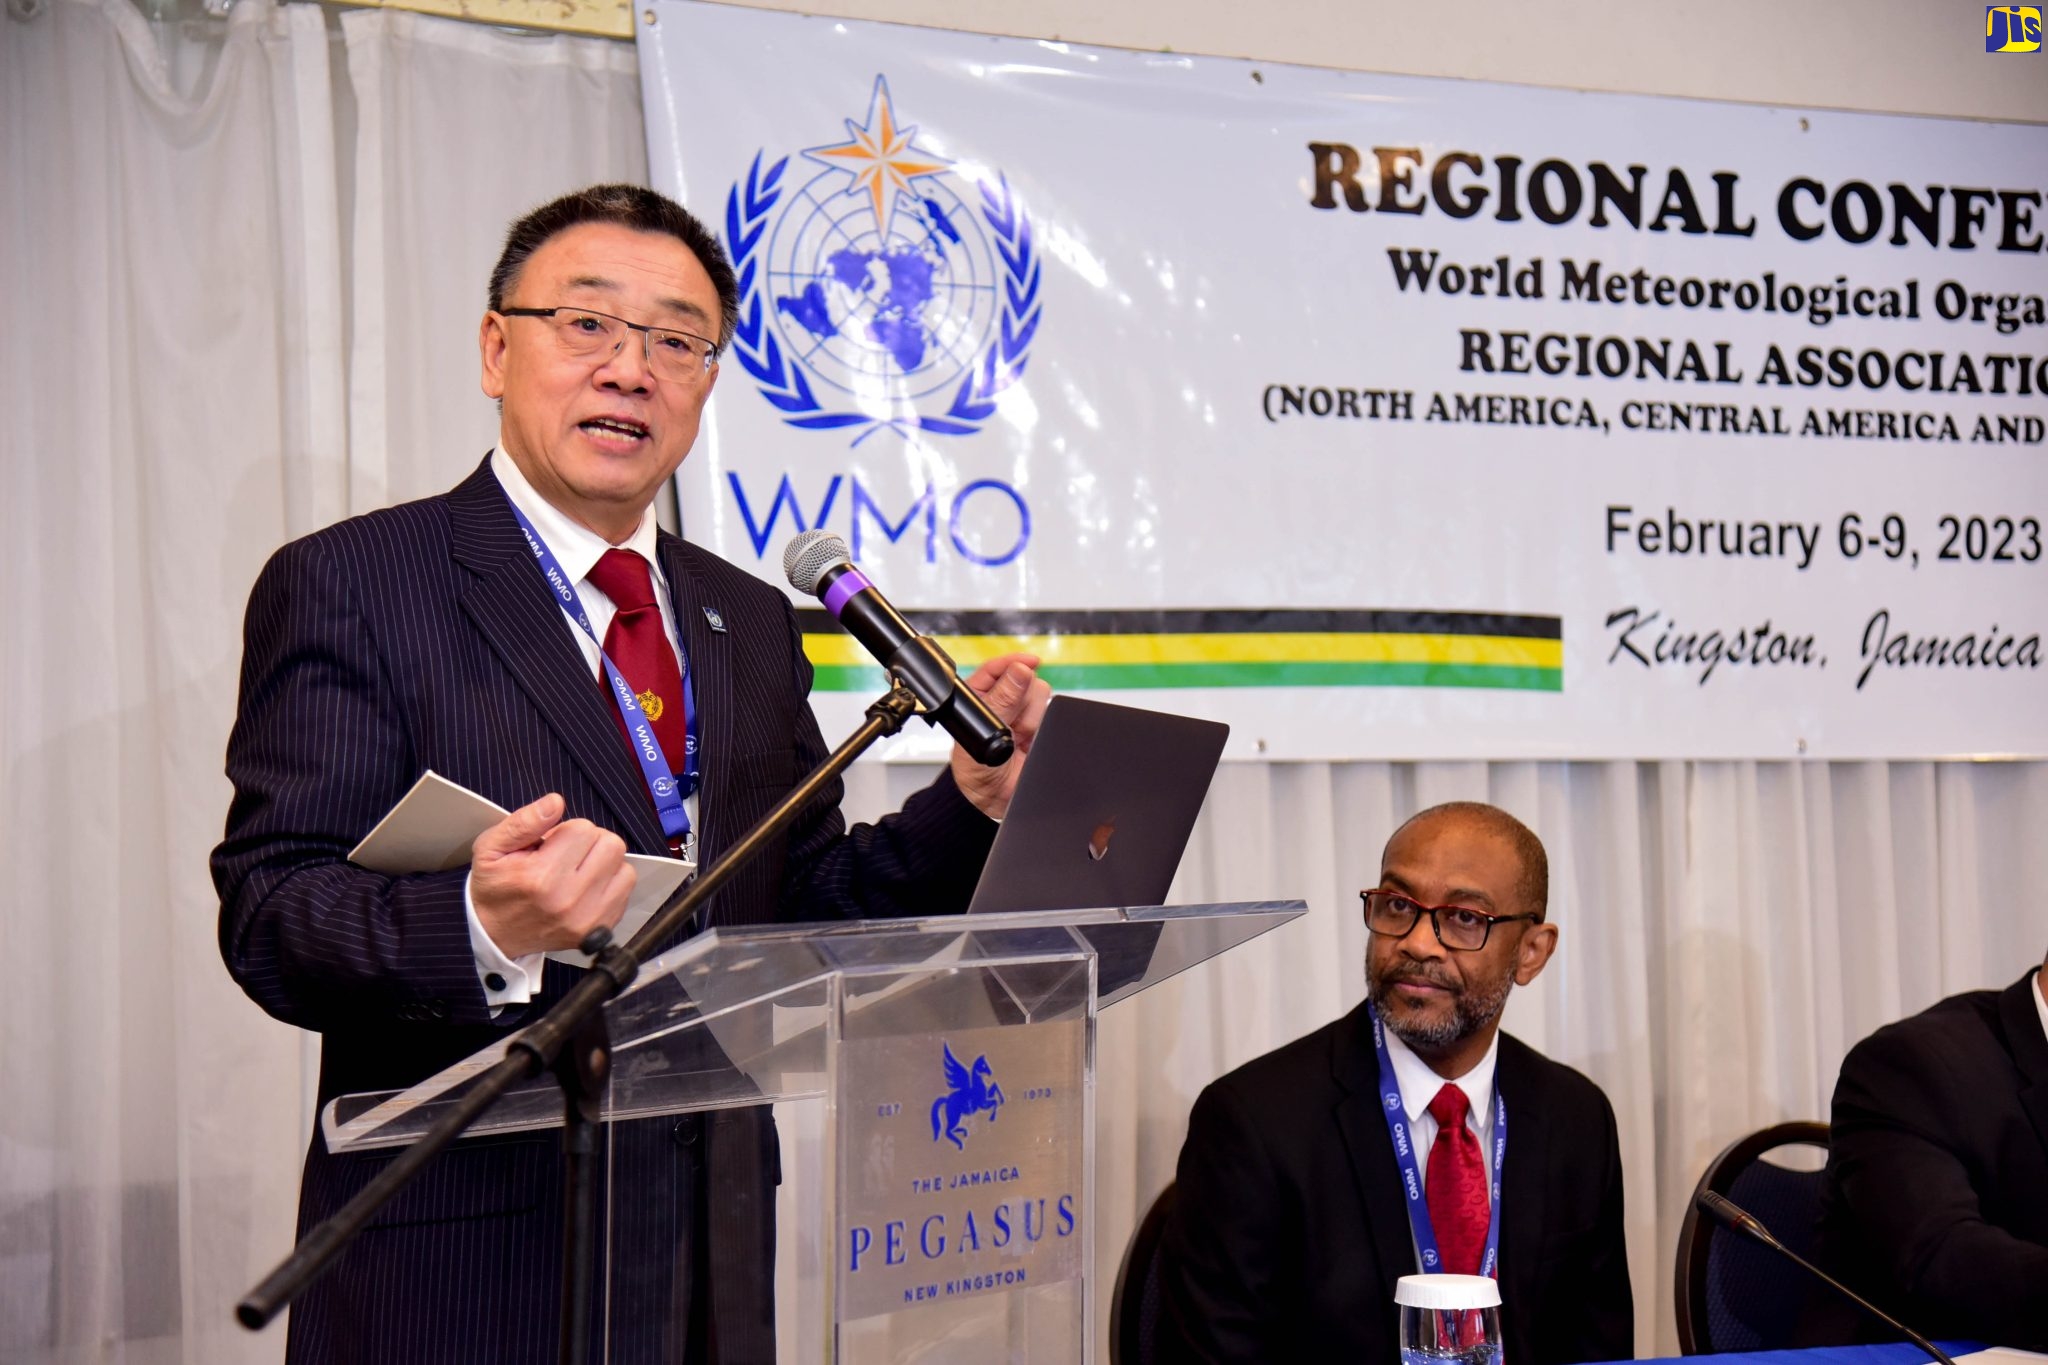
[423, 636]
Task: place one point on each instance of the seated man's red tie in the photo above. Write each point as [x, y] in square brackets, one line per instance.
[1455, 1188]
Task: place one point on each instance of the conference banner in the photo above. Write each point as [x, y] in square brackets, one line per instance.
[1378, 417]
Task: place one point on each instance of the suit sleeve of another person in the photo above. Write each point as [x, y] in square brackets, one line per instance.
[317, 756]
[1595, 1318]
[1221, 1254]
[1910, 1189]
[924, 859]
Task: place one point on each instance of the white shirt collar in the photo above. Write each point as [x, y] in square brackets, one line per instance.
[1419, 1084]
[2040, 1001]
[575, 547]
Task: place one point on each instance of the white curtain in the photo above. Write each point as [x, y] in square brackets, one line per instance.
[153, 398]
[241, 267]
[459, 130]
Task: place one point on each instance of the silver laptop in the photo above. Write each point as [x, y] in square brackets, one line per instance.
[1103, 810]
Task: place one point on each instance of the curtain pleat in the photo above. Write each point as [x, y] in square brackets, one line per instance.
[149, 1120]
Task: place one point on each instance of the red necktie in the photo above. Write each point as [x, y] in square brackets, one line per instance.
[637, 644]
[1459, 1208]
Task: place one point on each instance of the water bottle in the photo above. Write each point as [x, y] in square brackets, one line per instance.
[1449, 1320]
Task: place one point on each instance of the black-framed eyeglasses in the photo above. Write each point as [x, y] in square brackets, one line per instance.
[588, 334]
[1458, 927]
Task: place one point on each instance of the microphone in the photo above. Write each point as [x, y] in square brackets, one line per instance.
[1729, 1212]
[819, 564]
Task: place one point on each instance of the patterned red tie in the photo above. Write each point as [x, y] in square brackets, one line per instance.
[640, 648]
[1455, 1187]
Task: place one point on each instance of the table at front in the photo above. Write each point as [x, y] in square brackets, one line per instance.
[1888, 1353]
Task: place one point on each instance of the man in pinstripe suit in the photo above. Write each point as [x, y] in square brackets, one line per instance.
[425, 636]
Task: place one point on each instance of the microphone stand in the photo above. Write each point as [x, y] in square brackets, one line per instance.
[570, 1041]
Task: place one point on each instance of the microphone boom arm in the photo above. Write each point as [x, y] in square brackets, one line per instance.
[1746, 1223]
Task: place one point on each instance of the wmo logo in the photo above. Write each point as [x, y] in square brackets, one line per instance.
[885, 291]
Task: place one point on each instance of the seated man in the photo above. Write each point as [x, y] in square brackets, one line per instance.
[1935, 1206]
[1291, 1226]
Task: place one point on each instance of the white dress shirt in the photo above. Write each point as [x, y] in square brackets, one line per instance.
[2041, 1001]
[1419, 1086]
[577, 549]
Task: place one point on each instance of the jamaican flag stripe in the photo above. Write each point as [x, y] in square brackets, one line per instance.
[1088, 651]
[1262, 620]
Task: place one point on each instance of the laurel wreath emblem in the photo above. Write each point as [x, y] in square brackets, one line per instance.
[781, 380]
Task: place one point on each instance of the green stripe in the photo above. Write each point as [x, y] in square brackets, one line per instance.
[1108, 677]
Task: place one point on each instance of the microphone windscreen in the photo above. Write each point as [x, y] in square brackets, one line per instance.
[806, 558]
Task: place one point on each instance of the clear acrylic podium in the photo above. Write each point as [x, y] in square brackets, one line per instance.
[934, 1090]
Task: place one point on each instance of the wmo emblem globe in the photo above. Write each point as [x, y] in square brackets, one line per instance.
[888, 290]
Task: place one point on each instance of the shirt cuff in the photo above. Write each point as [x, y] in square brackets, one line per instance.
[506, 981]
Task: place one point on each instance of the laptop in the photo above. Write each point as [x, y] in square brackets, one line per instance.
[1102, 811]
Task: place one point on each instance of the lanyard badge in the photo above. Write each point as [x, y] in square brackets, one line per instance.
[665, 786]
[1396, 1112]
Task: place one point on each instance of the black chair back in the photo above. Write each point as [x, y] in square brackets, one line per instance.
[1734, 1295]
[1134, 1306]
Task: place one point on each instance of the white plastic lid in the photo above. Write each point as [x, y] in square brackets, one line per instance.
[1447, 1291]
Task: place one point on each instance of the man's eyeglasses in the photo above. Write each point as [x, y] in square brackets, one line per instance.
[682, 357]
[1457, 927]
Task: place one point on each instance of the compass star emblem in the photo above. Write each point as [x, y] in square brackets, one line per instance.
[881, 157]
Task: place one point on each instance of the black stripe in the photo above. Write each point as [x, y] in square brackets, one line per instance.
[816, 621]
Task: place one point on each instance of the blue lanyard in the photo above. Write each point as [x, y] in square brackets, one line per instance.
[1411, 1173]
[662, 784]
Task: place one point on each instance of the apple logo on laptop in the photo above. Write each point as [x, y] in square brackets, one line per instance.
[1098, 842]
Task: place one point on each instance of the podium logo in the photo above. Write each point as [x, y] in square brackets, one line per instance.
[968, 1092]
[2012, 28]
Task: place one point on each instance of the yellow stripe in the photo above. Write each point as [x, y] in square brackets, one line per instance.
[1261, 647]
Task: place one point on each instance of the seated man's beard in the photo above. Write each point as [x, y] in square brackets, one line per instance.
[1474, 1005]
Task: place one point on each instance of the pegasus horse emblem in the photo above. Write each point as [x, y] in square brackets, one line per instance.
[967, 1092]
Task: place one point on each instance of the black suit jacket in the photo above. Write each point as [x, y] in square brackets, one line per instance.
[1935, 1205]
[1290, 1228]
[423, 636]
